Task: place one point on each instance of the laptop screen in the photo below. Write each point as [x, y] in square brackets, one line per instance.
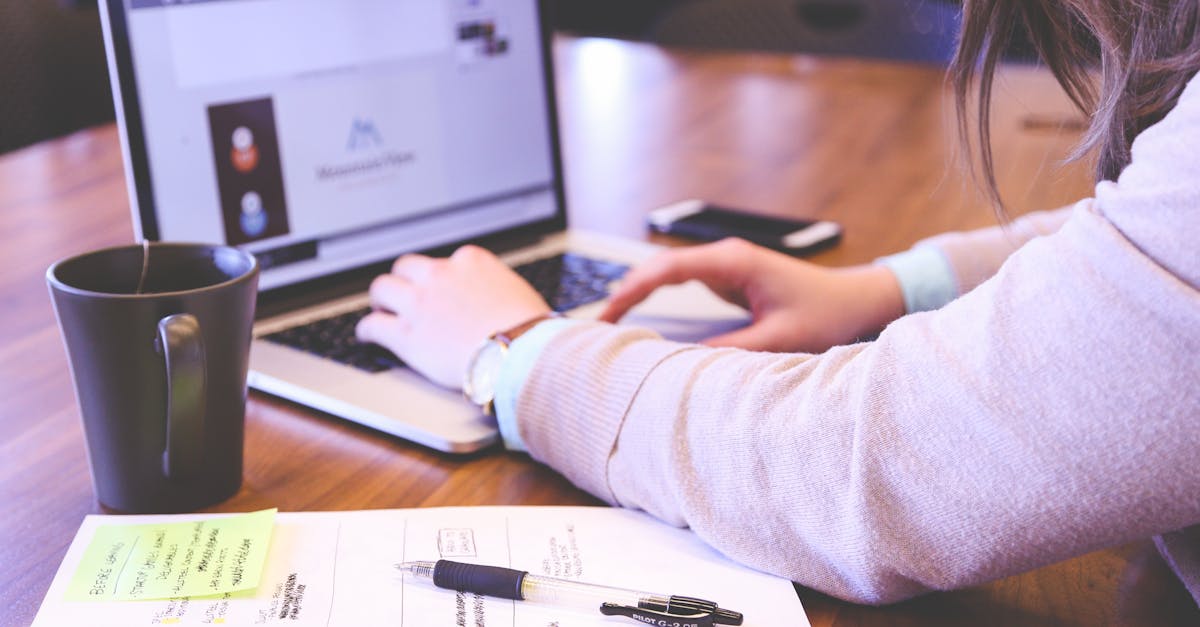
[322, 136]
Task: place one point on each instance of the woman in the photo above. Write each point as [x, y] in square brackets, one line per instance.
[1033, 396]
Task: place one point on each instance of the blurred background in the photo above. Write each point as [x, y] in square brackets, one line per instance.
[54, 76]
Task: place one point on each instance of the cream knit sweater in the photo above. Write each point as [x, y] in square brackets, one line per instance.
[1049, 411]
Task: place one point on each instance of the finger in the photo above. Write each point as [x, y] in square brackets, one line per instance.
[670, 268]
[758, 336]
[470, 252]
[393, 293]
[414, 267]
[664, 269]
[383, 328]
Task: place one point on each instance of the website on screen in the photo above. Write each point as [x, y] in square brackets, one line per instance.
[350, 131]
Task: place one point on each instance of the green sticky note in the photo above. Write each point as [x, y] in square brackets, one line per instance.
[173, 559]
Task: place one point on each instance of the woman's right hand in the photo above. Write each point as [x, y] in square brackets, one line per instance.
[796, 306]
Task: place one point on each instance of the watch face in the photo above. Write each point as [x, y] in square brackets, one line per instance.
[484, 369]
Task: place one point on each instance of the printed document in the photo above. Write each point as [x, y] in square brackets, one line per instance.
[338, 568]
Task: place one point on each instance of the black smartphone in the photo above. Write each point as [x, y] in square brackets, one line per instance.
[699, 220]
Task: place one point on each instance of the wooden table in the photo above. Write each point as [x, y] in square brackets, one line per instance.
[868, 144]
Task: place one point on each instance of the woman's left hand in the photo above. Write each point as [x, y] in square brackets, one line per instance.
[433, 313]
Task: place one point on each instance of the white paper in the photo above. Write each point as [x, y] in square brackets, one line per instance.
[338, 569]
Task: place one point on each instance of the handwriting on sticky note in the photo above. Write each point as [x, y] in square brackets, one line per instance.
[173, 559]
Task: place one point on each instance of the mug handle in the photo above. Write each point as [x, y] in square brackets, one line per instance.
[183, 349]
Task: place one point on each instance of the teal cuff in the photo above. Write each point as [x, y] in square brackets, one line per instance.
[926, 278]
[523, 353]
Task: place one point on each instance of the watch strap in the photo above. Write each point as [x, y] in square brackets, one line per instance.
[508, 337]
[505, 339]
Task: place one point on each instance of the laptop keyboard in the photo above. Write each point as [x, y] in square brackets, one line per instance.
[334, 339]
[566, 281]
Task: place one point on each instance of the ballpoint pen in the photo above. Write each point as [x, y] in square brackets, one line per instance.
[506, 583]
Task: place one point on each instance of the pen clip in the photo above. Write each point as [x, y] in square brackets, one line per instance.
[656, 617]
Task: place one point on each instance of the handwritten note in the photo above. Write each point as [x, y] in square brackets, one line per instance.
[173, 559]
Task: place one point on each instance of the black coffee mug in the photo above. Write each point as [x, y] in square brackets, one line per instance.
[158, 339]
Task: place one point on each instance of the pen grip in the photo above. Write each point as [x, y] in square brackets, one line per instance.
[491, 581]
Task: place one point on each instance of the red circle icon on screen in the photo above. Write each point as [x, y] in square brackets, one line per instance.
[244, 155]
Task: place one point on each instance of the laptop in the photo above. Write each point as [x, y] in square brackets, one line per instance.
[328, 138]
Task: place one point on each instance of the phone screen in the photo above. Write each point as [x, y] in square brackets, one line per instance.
[735, 221]
[711, 223]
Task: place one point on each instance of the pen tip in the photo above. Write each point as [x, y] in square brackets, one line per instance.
[417, 569]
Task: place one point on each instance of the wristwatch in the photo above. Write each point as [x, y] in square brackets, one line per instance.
[479, 381]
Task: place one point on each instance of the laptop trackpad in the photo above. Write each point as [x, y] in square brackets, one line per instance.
[689, 312]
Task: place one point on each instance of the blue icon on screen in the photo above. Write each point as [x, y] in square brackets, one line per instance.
[253, 219]
[253, 225]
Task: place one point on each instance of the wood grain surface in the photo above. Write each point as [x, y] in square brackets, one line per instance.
[868, 144]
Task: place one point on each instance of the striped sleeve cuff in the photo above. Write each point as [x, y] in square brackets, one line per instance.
[523, 353]
[926, 278]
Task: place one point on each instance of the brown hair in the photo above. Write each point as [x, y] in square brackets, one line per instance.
[1122, 62]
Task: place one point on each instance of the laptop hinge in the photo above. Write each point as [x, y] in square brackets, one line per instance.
[357, 280]
[502, 244]
[320, 290]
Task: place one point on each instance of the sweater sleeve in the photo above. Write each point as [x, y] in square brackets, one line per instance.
[1047, 413]
[939, 269]
[925, 277]
[974, 256]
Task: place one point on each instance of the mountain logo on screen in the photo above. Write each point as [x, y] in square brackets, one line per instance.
[363, 134]
[370, 157]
